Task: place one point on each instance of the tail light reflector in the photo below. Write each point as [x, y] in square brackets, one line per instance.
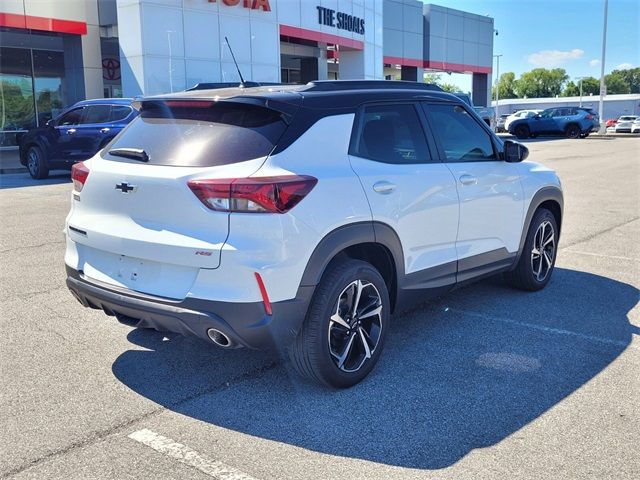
[253, 195]
[79, 174]
[589, 117]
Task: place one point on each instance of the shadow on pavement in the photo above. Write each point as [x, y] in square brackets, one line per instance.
[457, 374]
[18, 180]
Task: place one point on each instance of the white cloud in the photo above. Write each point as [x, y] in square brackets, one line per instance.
[554, 58]
[624, 66]
[594, 63]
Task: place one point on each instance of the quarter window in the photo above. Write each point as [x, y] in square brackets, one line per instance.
[391, 134]
[461, 136]
[119, 112]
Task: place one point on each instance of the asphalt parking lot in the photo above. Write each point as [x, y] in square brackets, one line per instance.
[487, 382]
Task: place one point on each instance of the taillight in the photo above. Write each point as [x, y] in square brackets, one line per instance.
[253, 195]
[79, 174]
[589, 117]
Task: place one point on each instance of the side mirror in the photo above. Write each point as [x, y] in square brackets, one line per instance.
[514, 152]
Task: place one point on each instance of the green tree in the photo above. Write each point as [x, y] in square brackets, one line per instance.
[590, 86]
[506, 86]
[631, 76]
[436, 78]
[616, 84]
[541, 83]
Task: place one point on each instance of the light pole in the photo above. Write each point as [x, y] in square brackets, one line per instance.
[580, 84]
[602, 85]
[495, 121]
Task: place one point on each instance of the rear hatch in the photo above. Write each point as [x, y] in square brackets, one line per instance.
[136, 222]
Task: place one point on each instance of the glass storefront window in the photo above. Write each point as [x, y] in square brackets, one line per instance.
[48, 69]
[17, 109]
[31, 90]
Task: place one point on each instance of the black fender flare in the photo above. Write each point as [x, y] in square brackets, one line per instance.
[346, 236]
[543, 195]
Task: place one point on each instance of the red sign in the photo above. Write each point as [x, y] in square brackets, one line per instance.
[252, 4]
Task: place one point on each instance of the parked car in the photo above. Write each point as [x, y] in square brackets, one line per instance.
[74, 135]
[520, 114]
[635, 126]
[300, 218]
[500, 124]
[624, 123]
[573, 122]
[485, 113]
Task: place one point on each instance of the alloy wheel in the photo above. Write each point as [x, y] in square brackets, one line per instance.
[32, 161]
[543, 251]
[356, 326]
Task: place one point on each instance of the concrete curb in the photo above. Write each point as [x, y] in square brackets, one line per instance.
[10, 170]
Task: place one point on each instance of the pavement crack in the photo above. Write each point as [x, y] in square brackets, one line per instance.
[114, 430]
[597, 234]
[26, 247]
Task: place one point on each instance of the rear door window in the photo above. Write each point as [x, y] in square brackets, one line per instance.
[461, 137]
[96, 114]
[200, 133]
[390, 134]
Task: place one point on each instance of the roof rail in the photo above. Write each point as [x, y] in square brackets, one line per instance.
[334, 85]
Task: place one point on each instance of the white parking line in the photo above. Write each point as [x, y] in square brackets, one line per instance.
[542, 328]
[185, 455]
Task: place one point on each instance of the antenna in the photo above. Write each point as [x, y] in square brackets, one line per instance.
[234, 61]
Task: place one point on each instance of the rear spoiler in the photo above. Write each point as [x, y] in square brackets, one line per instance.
[287, 109]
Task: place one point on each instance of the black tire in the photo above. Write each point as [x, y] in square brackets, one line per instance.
[584, 135]
[311, 353]
[526, 275]
[522, 132]
[572, 131]
[37, 163]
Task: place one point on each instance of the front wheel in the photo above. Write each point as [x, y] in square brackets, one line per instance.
[344, 331]
[37, 163]
[538, 257]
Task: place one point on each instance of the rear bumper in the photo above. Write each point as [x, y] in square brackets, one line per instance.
[246, 324]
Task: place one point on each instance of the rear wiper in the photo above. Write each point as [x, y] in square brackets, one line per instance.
[132, 153]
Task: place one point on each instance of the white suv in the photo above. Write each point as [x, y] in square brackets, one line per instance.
[300, 218]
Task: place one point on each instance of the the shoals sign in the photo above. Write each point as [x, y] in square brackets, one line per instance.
[340, 20]
[252, 4]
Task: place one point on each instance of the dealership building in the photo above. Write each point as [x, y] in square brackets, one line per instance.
[56, 52]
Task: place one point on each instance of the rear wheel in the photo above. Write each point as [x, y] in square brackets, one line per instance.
[343, 333]
[538, 257]
[572, 131]
[522, 131]
[37, 163]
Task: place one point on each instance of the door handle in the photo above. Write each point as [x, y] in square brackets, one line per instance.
[384, 187]
[468, 179]
[71, 131]
[104, 130]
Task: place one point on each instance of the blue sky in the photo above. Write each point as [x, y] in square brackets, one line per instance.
[557, 33]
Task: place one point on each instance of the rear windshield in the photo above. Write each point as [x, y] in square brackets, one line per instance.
[200, 134]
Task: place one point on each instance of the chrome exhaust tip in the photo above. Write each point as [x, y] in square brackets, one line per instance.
[219, 338]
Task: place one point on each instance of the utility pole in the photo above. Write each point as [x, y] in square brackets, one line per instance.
[602, 85]
[496, 114]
